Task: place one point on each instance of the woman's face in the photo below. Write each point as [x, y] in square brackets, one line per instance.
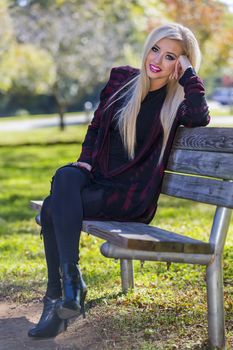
[161, 61]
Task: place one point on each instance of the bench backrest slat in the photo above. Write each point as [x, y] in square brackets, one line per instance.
[219, 193]
[204, 139]
[197, 155]
[217, 165]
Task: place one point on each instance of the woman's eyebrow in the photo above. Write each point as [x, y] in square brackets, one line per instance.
[170, 53]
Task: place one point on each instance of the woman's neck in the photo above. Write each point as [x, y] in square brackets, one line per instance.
[156, 84]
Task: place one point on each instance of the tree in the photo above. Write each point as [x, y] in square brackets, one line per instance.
[23, 67]
[6, 40]
[33, 69]
[85, 38]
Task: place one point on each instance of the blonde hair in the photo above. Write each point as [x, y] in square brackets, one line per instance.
[139, 86]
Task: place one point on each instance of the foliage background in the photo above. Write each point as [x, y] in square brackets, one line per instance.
[60, 52]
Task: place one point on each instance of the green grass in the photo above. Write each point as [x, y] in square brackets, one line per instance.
[167, 309]
[45, 136]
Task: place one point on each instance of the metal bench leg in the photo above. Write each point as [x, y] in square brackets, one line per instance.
[214, 273]
[127, 275]
[216, 321]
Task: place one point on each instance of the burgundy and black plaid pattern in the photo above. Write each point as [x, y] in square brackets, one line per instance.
[132, 190]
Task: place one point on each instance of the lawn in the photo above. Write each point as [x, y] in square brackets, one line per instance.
[167, 309]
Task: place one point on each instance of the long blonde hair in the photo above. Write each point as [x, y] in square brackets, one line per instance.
[139, 86]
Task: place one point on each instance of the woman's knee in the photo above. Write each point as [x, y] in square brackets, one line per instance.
[69, 176]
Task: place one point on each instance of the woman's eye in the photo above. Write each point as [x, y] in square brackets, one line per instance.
[170, 58]
[155, 49]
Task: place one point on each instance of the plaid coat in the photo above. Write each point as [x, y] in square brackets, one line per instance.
[131, 191]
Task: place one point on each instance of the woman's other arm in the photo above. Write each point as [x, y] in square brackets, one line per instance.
[193, 111]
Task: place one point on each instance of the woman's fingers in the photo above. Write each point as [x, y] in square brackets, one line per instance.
[82, 165]
[180, 67]
[184, 62]
[175, 74]
[75, 163]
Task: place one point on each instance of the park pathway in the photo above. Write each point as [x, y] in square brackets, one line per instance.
[34, 123]
[24, 125]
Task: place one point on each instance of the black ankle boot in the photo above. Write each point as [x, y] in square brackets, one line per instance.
[49, 324]
[74, 292]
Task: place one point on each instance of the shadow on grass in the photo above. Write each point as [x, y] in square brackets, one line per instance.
[17, 209]
[106, 297]
[43, 143]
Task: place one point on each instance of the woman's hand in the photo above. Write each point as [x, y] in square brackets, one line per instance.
[82, 165]
[182, 64]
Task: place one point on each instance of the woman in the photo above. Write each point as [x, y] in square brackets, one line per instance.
[119, 172]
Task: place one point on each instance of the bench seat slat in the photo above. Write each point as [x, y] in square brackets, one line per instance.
[134, 235]
[217, 165]
[143, 237]
[204, 139]
[219, 193]
[35, 205]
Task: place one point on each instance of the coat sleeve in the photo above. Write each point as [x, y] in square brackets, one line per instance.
[193, 111]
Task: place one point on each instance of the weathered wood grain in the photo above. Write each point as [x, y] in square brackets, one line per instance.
[217, 165]
[219, 193]
[134, 235]
[140, 236]
[204, 139]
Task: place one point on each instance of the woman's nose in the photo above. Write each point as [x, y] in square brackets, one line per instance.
[158, 58]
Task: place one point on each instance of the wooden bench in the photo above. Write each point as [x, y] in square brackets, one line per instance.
[200, 168]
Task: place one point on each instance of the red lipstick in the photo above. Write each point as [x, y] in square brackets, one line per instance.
[154, 69]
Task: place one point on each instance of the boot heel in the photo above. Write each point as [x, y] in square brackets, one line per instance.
[82, 304]
[74, 292]
[83, 311]
[65, 325]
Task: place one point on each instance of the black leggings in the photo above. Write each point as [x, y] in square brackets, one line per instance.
[71, 200]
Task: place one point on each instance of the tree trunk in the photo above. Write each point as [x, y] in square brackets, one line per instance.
[61, 105]
[61, 112]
